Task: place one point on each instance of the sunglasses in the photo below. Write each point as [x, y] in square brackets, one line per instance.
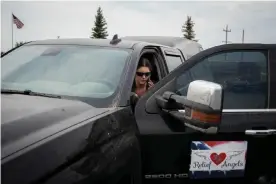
[140, 74]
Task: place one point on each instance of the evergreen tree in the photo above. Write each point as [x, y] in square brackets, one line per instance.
[188, 29]
[100, 26]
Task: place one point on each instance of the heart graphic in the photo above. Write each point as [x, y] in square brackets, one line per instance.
[217, 159]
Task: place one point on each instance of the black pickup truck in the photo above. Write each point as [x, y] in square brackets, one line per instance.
[67, 115]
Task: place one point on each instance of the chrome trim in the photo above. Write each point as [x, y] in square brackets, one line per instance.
[261, 132]
[248, 110]
[210, 130]
[239, 110]
[268, 79]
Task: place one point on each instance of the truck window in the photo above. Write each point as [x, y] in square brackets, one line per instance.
[173, 61]
[87, 73]
[243, 75]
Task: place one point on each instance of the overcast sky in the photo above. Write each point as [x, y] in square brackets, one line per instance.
[49, 19]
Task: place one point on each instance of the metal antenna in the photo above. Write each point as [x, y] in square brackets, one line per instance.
[115, 37]
[243, 36]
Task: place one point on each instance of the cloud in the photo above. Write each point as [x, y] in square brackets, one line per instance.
[49, 19]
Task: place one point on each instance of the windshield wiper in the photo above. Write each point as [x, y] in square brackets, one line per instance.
[28, 92]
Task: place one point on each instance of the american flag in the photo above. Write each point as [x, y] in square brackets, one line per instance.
[208, 145]
[17, 22]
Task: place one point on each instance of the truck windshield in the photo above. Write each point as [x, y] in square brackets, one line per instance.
[83, 72]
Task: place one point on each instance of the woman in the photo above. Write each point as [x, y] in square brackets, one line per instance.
[142, 80]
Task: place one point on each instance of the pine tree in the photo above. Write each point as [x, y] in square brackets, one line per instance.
[188, 29]
[100, 26]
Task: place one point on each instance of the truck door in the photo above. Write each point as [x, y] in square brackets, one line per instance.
[247, 128]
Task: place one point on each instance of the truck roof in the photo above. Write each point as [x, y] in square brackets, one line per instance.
[125, 44]
[169, 41]
[188, 47]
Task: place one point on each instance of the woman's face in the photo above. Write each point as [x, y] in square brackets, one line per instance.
[142, 75]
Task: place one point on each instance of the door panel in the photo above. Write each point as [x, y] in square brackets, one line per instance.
[170, 156]
[242, 120]
[166, 143]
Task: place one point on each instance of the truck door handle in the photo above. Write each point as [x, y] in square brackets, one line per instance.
[181, 111]
[261, 132]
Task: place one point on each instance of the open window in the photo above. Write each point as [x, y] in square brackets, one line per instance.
[155, 61]
[156, 72]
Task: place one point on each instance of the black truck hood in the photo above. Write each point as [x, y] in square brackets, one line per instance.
[28, 119]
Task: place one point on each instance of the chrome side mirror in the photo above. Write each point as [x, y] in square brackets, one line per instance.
[204, 108]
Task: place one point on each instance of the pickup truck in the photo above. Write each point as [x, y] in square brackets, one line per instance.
[67, 113]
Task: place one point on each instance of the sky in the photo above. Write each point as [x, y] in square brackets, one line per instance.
[74, 19]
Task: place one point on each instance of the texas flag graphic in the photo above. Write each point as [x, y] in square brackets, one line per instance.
[217, 159]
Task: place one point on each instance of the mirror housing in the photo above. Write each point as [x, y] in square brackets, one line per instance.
[203, 109]
[200, 110]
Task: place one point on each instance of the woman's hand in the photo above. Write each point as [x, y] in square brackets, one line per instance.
[150, 83]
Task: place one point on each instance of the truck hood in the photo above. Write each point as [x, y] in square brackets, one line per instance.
[28, 119]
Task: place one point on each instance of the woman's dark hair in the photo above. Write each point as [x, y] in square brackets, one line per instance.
[144, 62]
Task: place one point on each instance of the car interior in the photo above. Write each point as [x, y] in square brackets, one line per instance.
[155, 74]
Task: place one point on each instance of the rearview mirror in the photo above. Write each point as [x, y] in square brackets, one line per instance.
[200, 110]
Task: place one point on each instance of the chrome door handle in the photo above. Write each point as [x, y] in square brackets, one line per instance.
[181, 111]
[261, 132]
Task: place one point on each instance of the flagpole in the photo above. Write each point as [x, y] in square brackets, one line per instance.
[12, 31]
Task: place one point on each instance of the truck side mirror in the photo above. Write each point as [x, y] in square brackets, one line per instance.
[200, 110]
[204, 108]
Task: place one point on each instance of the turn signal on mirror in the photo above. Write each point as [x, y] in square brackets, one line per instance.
[204, 117]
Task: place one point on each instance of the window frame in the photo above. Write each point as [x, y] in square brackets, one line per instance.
[167, 61]
[172, 53]
[156, 60]
[266, 53]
